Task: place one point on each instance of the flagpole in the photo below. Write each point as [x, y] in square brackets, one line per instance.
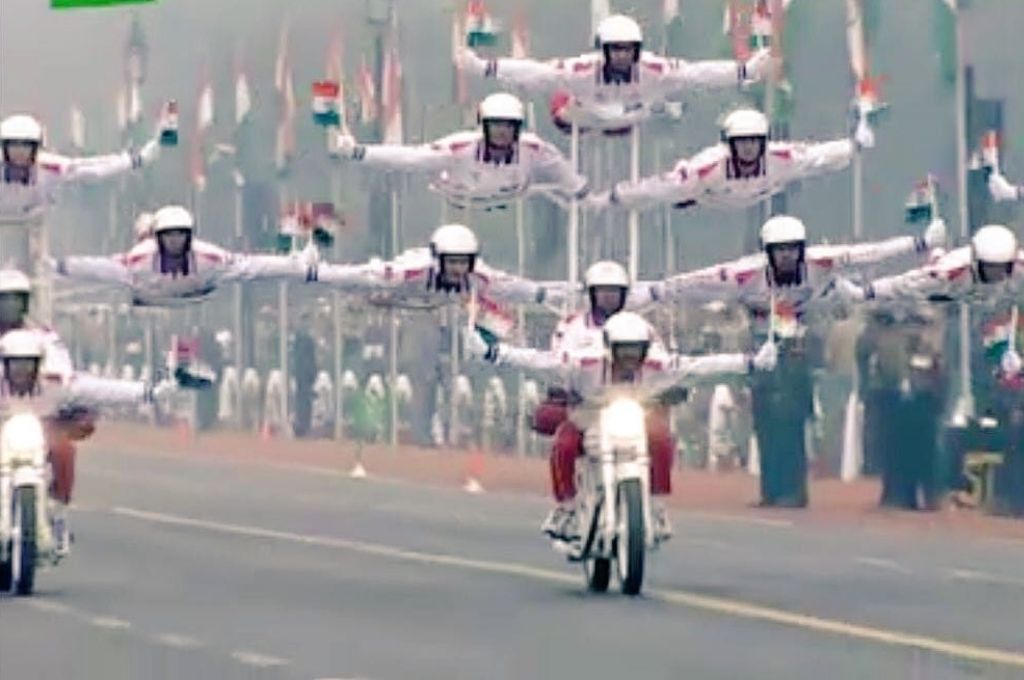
[574, 220]
[634, 216]
[966, 393]
[393, 333]
[339, 339]
[521, 325]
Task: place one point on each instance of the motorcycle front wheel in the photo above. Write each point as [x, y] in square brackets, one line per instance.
[630, 548]
[598, 572]
[23, 544]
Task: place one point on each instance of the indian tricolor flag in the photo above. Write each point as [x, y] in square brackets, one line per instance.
[922, 203]
[329, 94]
[481, 28]
[79, 4]
[325, 103]
[996, 335]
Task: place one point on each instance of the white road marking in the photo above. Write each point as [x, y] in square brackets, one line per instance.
[258, 660]
[177, 641]
[48, 606]
[718, 605]
[985, 577]
[885, 563]
[738, 519]
[110, 622]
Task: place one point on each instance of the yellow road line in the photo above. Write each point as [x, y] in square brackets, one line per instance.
[718, 605]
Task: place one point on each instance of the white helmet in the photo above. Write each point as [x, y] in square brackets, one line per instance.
[744, 123]
[783, 229]
[21, 344]
[618, 28]
[994, 244]
[21, 128]
[501, 106]
[454, 239]
[629, 329]
[172, 217]
[606, 273]
[14, 281]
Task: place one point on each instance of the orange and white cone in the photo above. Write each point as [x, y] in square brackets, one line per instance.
[753, 457]
[474, 470]
[358, 471]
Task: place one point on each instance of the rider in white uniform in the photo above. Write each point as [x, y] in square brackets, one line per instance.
[171, 267]
[31, 177]
[486, 167]
[430, 277]
[741, 171]
[619, 84]
[629, 353]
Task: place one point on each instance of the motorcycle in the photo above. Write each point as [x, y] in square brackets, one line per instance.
[613, 502]
[26, 537]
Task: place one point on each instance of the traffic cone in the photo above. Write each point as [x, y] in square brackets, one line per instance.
[358, 471]
[853, 444]
[183, 431]
[754, 457]
[474, 470]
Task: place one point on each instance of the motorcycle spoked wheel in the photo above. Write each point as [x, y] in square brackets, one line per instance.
[23, 541]
[630, 547]
[597, 571]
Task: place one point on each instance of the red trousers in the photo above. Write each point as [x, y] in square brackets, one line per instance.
[62, 436]
[62, 461]
[568, 446]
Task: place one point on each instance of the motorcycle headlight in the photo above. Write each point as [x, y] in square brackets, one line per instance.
[22, 440]
[624, 423]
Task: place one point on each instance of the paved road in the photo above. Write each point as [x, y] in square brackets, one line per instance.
[210, 569]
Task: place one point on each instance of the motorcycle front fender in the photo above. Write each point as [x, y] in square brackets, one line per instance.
[27, 476]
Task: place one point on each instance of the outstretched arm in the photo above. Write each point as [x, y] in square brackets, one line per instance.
[678, 74]
[431, 157]
[90, 268]
[529, 74]
[933, 236]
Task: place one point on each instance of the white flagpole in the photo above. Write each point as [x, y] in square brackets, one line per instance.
[966, 394]
[634, 216]
[393, 334]
[521, 326]
[574, 219]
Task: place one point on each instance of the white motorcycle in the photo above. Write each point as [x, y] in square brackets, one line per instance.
[26, 538]
[613, 501]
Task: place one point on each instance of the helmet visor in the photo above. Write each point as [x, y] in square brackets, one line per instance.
[13, 307]
[21, 373]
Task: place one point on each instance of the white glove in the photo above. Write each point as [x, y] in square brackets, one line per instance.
[848, 291]
[1011, 363]
[935, 234]
[477, 348]
[1001, 189]
[467, 60]
[341, 144]
[760, 65]
[597, 202]
[766, 358]
[163, 390]
[864, 135]
[149, 152]
[309, 259]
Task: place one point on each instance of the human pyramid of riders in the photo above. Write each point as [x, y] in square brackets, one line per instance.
[786, 288]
